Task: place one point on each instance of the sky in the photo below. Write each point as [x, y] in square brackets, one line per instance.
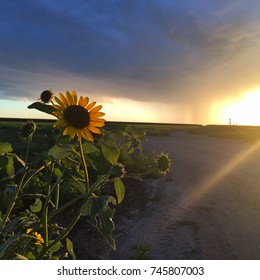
[143, 60]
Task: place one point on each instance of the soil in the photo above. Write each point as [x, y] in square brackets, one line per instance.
[207, 207]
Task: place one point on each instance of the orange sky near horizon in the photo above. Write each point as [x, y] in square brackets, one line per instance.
[243, 110]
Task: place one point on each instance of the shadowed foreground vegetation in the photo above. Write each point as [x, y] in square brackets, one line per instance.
[58, 193]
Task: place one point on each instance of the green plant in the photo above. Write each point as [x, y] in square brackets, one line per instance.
[72, 180]
[141, 252]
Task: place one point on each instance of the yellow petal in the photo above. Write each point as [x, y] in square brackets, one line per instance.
[97, 123]
[94, 129]
[63, 99]
[100, 120]
[80, 100]
[60, 123]
[69, 130]
[74, 96]
[28, 230]
[84, 101]
[87, 135]
[59, 102]
[58, 107]
[91, 105]
[58, 114]
[70, 98]
[96, 115]
[96, 109]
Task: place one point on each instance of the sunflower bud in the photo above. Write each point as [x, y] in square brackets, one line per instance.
[118, 170]
[46, 96]
[28, 129]
[163, 162]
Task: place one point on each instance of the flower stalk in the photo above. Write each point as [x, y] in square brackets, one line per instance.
[85, 168]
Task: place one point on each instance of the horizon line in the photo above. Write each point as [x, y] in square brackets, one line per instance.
[125, 122]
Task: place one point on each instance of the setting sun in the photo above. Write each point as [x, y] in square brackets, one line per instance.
[244, 111]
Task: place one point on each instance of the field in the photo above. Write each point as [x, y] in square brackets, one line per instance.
[9, 129]
[45, 135]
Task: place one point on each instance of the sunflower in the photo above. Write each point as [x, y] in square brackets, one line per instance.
[38, 236]
[163, 163]
[46, 96]
[28, 129]
[78, 116]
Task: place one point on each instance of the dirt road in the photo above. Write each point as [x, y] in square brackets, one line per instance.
[207, 207]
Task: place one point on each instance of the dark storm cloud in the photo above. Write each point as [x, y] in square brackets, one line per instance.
[141, 49]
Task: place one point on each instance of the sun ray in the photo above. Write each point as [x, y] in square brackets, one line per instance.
[212, 181]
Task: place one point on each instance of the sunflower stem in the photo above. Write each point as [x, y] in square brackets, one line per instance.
[75, 218]
[13, 201]
[46, 205]
[48, 197]
[21, 185]
[29, 141]
[85, 168]
[57, 199]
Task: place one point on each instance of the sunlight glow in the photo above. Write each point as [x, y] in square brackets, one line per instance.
[18, 109]
[245, 111]
[213, 180]
[122, 109]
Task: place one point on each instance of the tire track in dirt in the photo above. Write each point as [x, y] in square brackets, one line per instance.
[169, 231]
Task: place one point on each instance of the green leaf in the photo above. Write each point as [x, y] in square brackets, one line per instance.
[107, 224]
[36, 206]
[69, 245]
[7, 164]
[131, 150]
[93, 205]
[88, 148]
[7, 243]
[120, 189]
[61, 151]
[12, 225]
[81, 186]
[98, 203]
[104, 223]
[42, 107]
[57, 172]
[141, 135]
[3, 162]
[30, 256]
[86, 209]
[56, 247]
[11, 188]
[5, 148]
[69, 162]
[10, 166]
[20, 257]
[111, 153]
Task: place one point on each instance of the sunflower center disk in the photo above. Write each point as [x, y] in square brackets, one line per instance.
[77, 116]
